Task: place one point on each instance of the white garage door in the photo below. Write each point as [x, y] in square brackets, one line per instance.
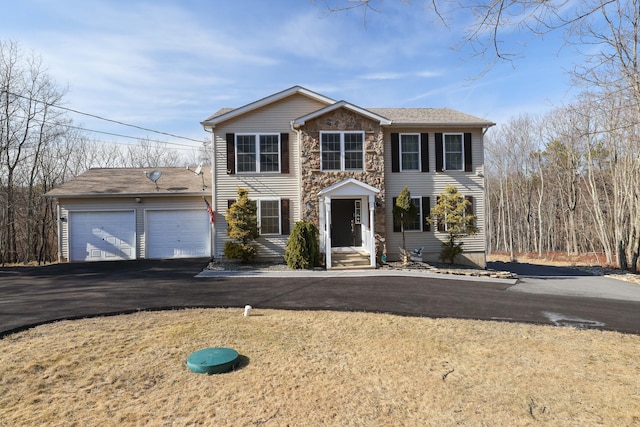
[177, 234]
[102, 236]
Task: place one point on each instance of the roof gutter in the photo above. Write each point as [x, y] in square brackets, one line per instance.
[443, 125]
[112, 195]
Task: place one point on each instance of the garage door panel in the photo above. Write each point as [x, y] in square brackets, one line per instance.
[177, 234]
[101, 236]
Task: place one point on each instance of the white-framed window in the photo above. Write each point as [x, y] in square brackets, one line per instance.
[409, 152]
[416, 225]
[342, 150]
[269, 216]
[453, 149]
[258, 152]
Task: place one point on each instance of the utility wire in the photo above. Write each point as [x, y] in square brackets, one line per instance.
[127, 136]
[100, 117]
[139, 138]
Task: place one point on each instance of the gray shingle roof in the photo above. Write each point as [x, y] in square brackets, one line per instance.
[417, 116]
[134, 181]
[429, 116]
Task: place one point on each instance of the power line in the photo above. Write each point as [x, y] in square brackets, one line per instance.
[139, 138]
[127, 136]
[100, 117]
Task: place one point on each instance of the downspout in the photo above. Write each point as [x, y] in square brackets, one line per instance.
[214, 200]
[59, 214]
[297, 168]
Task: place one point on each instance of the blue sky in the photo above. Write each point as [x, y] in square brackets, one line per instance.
[167, 65]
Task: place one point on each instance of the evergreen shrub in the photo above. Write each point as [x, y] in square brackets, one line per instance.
[303, 248]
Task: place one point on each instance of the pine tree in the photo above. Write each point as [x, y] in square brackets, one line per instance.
[242, 220]
[404, 213]
[450, 213]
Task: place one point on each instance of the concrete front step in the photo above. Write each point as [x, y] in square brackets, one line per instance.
[350, 260]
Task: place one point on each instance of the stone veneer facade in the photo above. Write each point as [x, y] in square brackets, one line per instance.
[313, 179]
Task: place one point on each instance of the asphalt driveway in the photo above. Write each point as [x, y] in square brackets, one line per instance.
[35, 295]
[551, 280]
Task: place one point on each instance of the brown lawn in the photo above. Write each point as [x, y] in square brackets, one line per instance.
[317, 369]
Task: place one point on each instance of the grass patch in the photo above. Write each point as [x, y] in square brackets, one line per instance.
[317, 368]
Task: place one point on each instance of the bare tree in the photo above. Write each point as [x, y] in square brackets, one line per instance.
[27, 126]
[147, 154]
[493, 23]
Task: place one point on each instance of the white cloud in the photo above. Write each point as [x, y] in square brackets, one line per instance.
[383, 76]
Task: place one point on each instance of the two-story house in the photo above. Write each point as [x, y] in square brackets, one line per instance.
[303, 155]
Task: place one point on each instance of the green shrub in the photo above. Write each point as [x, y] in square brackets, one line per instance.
[240, 251]
[450, 250]
[303, 249]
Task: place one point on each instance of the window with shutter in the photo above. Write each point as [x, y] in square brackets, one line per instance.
[257, 152]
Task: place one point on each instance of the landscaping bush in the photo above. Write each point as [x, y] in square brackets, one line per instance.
[303, 249]
[240, 251]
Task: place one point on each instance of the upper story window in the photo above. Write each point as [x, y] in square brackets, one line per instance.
[409, 152]
[453, 152]
[342, 150]
[258, 152]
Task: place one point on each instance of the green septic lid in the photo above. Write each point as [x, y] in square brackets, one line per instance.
[215, 360]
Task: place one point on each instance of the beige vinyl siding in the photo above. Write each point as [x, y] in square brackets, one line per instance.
[273, 118]
[430, 184]
[119, 204]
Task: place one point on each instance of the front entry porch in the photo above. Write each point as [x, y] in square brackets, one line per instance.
[349, 257]
[347, 224]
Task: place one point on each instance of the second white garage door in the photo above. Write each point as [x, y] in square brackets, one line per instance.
[177, 234]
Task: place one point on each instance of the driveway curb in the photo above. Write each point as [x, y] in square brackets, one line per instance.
[351, 273]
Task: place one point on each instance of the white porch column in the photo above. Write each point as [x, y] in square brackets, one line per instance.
[322, 224]
[327, 221]
[372, 236]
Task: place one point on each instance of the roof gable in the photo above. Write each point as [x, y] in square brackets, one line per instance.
[227, 114]
[349, 186]
[342, 104]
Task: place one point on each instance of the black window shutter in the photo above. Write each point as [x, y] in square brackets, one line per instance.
[440, 220]
[284, 221]
[439, 159]
[426, 214]
[230, 202]
[396, 226]
[231, 154]
[395, 152]
[284, 153]
[468, 163]
[424, 151]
